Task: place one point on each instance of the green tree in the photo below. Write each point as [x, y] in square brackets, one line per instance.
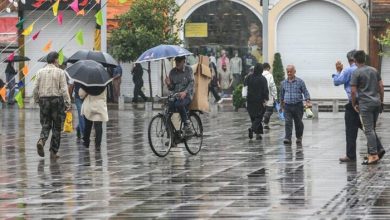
[278, 71]
[384, 39]
[148, 23]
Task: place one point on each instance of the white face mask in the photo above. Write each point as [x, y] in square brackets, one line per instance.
[236, 54]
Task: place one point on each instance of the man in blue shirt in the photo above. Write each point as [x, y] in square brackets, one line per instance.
[351, 117]
[292, 92]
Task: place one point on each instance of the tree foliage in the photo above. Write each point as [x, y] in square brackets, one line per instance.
[384, 39]
[148, 23]
[278, 71]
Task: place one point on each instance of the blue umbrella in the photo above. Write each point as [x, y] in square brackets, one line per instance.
[162, 52]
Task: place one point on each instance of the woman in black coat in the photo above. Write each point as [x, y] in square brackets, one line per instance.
[256, 99]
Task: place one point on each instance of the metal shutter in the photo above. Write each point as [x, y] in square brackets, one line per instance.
[313, 35]
[385, 72]
[59, 34]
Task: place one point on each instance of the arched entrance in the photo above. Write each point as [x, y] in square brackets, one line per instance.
[313, 35]
[231, 25]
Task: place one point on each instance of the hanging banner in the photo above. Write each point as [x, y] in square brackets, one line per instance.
[196, 30]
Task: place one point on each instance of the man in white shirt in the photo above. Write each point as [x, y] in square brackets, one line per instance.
[273, 94]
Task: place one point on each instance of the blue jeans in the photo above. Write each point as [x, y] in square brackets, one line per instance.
[181, 106]
[81, 126]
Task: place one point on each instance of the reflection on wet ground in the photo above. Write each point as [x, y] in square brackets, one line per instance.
[230, 178]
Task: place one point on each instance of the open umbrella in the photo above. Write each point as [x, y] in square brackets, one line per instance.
[89, 73]
[162, 52]
[101, 57]
[44, 59]
[17, 58]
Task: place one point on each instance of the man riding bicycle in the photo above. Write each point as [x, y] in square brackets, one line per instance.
[181, 81]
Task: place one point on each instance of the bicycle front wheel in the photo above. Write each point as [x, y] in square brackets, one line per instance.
[194, 142]
[160, 136]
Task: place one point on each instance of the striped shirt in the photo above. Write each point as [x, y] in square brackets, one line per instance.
[292, 91]
[51, 82]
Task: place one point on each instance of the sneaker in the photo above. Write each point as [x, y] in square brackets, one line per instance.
[250, 133]
[286, 141]
[258, 137]
[299, 140]
[346, 159]
[266, 126]
[40, 145]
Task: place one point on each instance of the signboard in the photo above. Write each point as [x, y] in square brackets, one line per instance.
[196, 30]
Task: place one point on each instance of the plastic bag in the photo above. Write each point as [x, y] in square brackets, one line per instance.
[244, 91]
[308, 112]
[279, 111]
[68, 124]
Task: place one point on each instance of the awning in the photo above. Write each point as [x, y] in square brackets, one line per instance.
[8, 30]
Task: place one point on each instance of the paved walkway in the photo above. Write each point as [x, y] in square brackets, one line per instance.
[232, 177]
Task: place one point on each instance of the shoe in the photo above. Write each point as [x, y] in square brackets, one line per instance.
[299, 141]
[346, 159]
[220, 101]
[40, 145]
[286, 141]
[53, 155]
[187, 129]
[381, 154]
[78, 133]
[97, 147]
[250, 133]
[86, 145]
[266, 126]
[373, 162]
[258, 137]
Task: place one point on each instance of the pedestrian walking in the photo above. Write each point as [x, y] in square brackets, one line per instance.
[225, 80]
[75, 88]
[94, 111]
[51, 92]
[116, 83]
[256, 98]
[273, 94]
[367, 99]
[10, 74]
[292, 92]
[138, 72]
[214, 84]
[351, 117]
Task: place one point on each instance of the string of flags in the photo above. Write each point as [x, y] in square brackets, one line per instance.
[26, 32]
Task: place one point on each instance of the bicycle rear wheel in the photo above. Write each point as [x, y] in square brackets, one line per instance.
[160, 135]
[194, 142]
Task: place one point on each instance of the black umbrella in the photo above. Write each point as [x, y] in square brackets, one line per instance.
[44, 59]
[17, 58]
[89, 73]
[101, 57]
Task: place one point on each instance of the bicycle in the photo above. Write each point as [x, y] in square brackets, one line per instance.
[162, 133]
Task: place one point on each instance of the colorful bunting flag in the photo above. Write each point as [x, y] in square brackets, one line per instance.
[75, 6]
[47, 47]
[3, 93]
[84, 3]
[60, 17]
[35, 36]
[19, 99]
[20, 84]
[28, 30]
[60, 57]
[19, 25]
[38, 3]
[55, 7]
[99, 17]
[81, 12]
[25, 70]
[122, 1]
[79, 37]
[11, 57]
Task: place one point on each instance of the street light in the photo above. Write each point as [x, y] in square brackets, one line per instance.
[265, 5]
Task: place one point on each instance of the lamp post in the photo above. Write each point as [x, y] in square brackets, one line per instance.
[265, 5]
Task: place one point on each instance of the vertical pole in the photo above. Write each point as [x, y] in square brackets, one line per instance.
[150, 82]
[265, 30]
[162, 76]
[103, 30]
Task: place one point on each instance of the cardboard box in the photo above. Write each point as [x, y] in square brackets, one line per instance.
[202, 77]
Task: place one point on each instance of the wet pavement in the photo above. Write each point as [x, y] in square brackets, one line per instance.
[231, 177]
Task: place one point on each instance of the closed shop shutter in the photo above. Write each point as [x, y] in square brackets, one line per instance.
[59, 35]
[313, 35]
[385, 73]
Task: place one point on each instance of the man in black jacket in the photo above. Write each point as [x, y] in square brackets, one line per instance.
[257, 96]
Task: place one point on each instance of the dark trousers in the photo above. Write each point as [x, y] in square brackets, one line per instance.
[181, 106]
[98, 132]
[256, 113]
[269, 110]
[352, 125]
[11, 86]
[52, 115]
[369, 118]
[138, 91]
[213, 90]
[293, 112]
